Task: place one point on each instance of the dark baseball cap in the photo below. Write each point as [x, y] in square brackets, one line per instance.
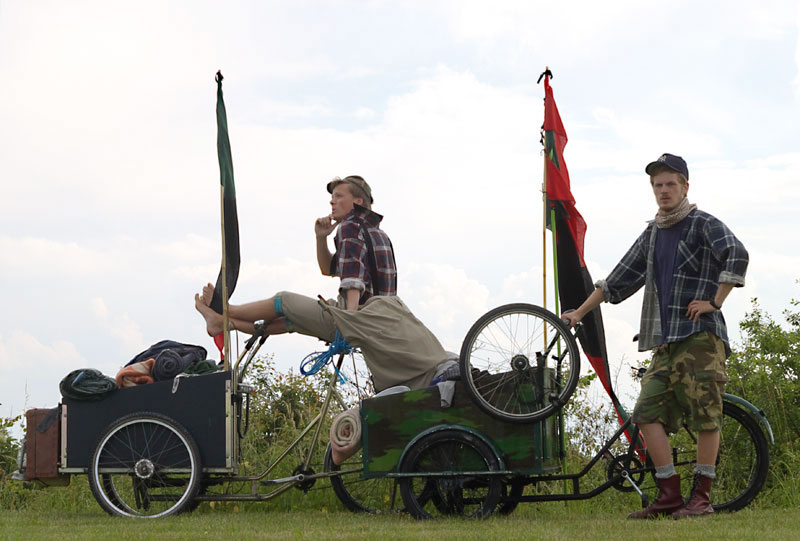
[671, 161]
[355, 180]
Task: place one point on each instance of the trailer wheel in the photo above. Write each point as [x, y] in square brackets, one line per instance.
[145, 465]
[454, 460]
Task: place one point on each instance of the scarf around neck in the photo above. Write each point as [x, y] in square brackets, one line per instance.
[668, 219]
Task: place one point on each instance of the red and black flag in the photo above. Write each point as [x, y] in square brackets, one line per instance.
[230, 221]
[574, 282]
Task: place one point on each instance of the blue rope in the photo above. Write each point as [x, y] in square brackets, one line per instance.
[319, 359]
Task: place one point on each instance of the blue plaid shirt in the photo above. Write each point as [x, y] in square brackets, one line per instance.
[708, 254]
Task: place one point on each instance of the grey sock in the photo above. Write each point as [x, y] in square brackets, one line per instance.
[665, 472]
[707, 470]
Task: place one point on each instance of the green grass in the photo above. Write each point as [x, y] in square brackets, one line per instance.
[543, 521]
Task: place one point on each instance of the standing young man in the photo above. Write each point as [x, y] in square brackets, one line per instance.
[363, 260]
[688, 262]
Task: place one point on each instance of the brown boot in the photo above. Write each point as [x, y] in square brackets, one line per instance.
[699, 503]
[669, 499]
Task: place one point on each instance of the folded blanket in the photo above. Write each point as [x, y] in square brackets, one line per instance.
[170, 363]
[136, 374]
[86, 384]
[195, 353]
[345, 435]
[201, 367]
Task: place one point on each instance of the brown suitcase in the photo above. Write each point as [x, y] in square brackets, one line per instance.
[41, 444]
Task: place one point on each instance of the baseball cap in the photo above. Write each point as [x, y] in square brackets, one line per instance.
[354, 180]
[676, 163]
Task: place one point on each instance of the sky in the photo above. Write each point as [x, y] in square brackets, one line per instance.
[109, 220]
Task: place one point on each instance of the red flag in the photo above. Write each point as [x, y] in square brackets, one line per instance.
[556, 173]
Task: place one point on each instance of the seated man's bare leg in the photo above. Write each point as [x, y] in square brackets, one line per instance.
[214, 320]
[277, 325]
[251, 311]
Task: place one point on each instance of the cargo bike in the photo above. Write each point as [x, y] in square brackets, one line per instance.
[161, 449]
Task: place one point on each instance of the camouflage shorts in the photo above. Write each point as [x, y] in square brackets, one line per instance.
[685, 381]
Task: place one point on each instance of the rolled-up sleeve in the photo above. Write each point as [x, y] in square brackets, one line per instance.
[351, 258]
[729, 251]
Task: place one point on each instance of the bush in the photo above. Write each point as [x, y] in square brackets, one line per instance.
[765, 369]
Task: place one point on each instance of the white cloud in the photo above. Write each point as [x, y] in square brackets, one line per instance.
[22, 350]
[280, 110]
[630, 141]
[30, 370]
[537, 24]
[364, 112]
[37, 256]
[445, 299]
[796, 81]
[120, 326]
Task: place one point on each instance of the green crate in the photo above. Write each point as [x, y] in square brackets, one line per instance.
[389, 423]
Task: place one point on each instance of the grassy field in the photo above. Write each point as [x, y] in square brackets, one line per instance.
[544, 521]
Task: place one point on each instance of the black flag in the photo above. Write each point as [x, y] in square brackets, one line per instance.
[230, 220]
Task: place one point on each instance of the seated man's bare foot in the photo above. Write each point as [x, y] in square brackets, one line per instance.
[208, 294]
[213, 319]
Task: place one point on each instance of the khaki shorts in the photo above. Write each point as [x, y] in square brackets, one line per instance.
[685, 381]
[306, 315]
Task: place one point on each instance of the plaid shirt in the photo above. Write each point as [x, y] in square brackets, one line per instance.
[708, 254]
[351, 261]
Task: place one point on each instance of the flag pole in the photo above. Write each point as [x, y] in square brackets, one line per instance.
[544, 241]
[225, 317]
[552, 215]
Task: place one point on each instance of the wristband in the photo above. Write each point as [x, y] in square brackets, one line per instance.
[712, 303]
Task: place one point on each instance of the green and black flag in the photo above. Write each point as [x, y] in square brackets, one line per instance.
[230, 221]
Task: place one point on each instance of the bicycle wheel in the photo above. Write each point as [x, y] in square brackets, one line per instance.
[742, 463]
[462, 490]
[520, 363]
[145, 465]
[359, 495]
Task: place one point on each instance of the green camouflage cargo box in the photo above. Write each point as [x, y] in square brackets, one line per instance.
[389, 423]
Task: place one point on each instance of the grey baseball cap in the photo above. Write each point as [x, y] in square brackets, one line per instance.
[354, 180]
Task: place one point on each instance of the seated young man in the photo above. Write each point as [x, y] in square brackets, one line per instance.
[364, 262]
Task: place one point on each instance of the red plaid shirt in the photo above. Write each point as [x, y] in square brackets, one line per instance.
[351, 262]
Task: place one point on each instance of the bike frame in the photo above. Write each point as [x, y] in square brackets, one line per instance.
[281, 484]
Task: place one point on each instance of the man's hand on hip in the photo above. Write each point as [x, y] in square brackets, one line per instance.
[698, 308]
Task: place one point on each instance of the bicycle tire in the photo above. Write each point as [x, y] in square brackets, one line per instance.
[520, 363]
[743, 461]
[374, 496]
